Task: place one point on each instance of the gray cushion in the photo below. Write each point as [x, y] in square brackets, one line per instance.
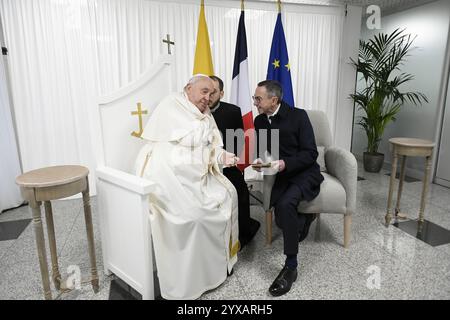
[331, 198]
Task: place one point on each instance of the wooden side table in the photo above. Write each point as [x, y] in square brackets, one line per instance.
[405, 147]
[48, 184]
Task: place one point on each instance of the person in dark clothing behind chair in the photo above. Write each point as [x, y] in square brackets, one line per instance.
[298, 176]
[228, 116]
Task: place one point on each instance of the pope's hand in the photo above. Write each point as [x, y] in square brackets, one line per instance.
[229, 159]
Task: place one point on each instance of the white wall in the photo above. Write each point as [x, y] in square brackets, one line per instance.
[430, 22]
[443, 162]
[344, 110]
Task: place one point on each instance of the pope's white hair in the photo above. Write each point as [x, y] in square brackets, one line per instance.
[195, 78]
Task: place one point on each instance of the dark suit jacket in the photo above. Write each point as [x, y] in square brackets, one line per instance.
[228, 116]
[297, 147]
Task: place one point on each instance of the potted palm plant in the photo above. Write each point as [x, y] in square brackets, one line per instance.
[379, 61]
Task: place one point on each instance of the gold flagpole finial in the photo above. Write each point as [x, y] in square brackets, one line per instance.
[202, 3]
[279, 5]
[242, 5]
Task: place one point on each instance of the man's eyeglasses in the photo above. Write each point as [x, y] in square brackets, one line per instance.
[257, 99]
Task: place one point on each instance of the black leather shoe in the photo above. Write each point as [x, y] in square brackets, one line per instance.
[283, 282]
[230, 273]
[304, 233]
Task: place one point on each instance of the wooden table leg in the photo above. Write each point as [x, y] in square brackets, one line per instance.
[40, 244]
[425, 188]
[419, 230]
[52, 243]
[388, 216]
[400, 186]
[90, 237]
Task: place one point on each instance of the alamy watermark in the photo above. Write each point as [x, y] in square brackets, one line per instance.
[374, 279]
[198, 149]
[73, 281]
[374, 19]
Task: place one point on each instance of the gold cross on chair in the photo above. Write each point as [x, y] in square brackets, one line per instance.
[169, 43]
[139, 113]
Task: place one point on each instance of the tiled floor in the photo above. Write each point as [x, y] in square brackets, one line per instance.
[408, 268]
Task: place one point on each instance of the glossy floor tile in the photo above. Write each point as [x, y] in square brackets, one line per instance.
[11, 230]
[427, 231]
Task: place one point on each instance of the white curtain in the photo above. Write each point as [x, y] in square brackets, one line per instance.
[9, 165]
[64, 53]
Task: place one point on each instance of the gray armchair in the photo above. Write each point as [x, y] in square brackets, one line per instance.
[337, 191]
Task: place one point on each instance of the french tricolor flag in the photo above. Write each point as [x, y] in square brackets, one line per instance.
[240, 92]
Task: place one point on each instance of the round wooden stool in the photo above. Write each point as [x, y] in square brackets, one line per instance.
[414, 148]
[49, 184]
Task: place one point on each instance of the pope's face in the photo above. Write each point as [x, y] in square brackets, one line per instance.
[216, 95]
[263, 102]
[199, 93]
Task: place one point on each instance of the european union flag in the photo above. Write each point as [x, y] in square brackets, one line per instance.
[279, 68]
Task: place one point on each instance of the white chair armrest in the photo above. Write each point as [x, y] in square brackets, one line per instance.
[125, 180]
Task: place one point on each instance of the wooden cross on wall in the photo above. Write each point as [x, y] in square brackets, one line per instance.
[169, 43]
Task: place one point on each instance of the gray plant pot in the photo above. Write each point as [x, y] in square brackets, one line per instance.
[373, 161]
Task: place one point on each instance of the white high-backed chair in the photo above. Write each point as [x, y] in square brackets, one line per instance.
[122, 196]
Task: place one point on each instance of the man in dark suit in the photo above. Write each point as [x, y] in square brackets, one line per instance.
[228, 116]
[298, 175]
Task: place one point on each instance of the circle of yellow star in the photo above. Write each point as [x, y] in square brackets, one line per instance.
[288, 66]
[276, 63]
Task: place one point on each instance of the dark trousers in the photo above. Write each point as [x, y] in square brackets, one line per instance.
[237, 179]
[288, 219]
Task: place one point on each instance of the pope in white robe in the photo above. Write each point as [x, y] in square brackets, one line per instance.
[193, 211]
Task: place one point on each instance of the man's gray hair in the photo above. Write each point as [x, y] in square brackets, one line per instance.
[273, 88]
[195, 78]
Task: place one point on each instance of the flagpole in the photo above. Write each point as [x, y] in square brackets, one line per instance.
[242, 5]
[279, 6]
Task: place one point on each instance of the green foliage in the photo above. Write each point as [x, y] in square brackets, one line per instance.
[381, 99]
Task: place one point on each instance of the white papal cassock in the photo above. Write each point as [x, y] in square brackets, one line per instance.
[193, 211]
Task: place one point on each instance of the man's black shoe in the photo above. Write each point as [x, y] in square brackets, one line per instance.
[283, 282]
[304, 233]
[230, 273]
